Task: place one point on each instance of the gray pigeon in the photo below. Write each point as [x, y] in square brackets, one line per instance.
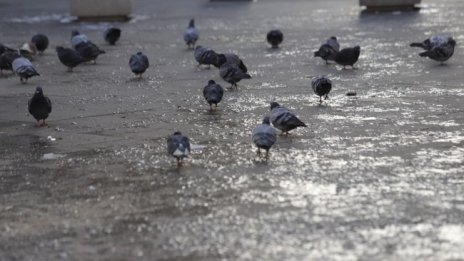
[264, 136]
[283, 119]
[213, 93]
[438, 48]
[78, 38]
[40, 41]
[178, 146]
[24, 69]
[274, 38]
[191, 35]
[231, 73]
[328, 49]
[39, 107]
[230, 58]
[348, 56]
[321, 86]
[206, 56]
[69, 57]
[138, 64]
[112, 35]
[88, 50]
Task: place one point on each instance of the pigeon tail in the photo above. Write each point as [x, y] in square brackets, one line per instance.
[424, 54]
[246, 76]
[417, 45]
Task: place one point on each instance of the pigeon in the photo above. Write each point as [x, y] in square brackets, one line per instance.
[348, 56]
[328, 49]
[204, 55]
[6, 59]
[138, 64]
[438, 48]
[69, 57]
[40, 41]
[230, 58]
[40, 107]
[264, 136]
[23, 67]
[4, 48]
[321, 86]
[112, 35]
[283, 119]
[274, 38]
[78, 38]
[191, 35]
[28, 50]
[178, 146]
[213, 93]
[89, 51]
[232, 73]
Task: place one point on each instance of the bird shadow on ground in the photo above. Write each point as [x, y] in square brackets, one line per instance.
[439, 66]
[261, 159]
[273, 50]
[136, 79]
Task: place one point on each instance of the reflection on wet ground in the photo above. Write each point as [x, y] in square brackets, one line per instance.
[374, 176]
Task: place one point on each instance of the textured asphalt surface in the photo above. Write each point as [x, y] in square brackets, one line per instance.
[378, 176]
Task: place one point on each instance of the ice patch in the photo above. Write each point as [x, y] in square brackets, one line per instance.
[52, 156]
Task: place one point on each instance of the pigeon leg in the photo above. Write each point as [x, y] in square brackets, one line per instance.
[320, 99]
[179, 162]
[326, 97]
[258, 152]
[267, 153]
[215, 106]
[326, 62]
[344, 67]
[211, 107]
[21, 79]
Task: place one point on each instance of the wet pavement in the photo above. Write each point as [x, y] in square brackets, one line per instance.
[377, 176]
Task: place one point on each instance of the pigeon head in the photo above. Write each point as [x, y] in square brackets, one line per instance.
[357, 48]
[39, 91]
[334, 38]
[452, 42]
[139, 53]
[177, 133]
[274, 104]
[266, 120]
[211, 82]
[75, 32]
[191, 23]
